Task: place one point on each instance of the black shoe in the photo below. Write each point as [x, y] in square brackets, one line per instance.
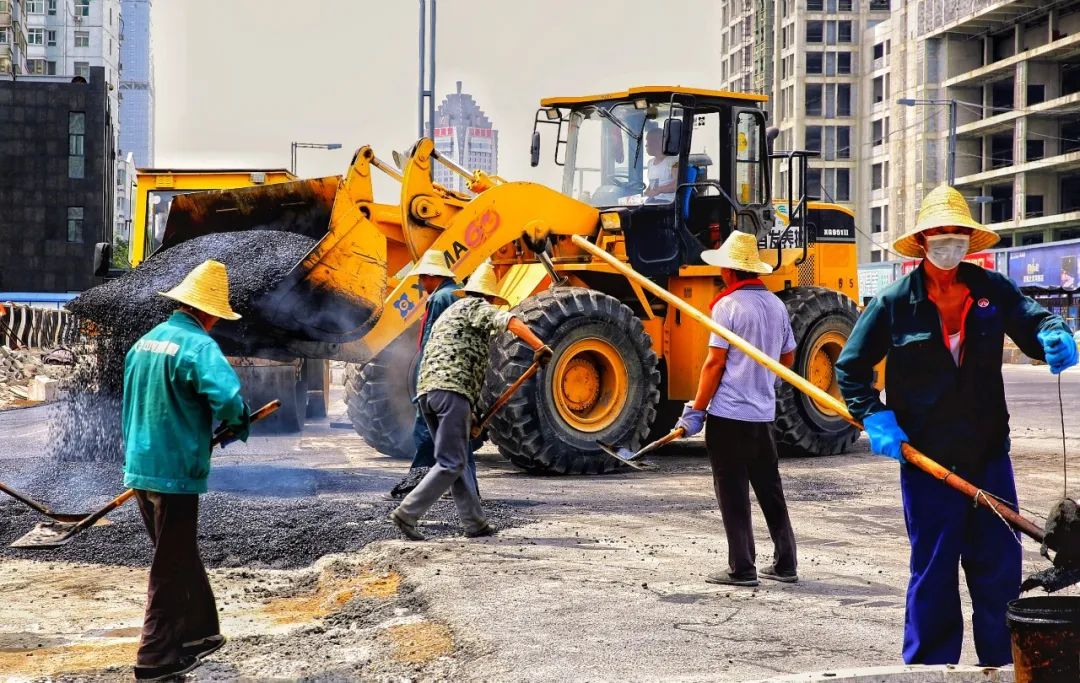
[773, 575]
[729, 579]
[486, 530]
[407, 529]
[204, 647]
[411, 481]
[164, 672]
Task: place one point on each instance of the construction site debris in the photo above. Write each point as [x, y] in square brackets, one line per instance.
[86, 425]
[18, 370]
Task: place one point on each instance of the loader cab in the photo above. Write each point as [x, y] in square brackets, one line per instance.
[681, 167]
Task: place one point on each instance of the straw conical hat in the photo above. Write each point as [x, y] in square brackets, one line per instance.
[433, 262]
[739, 251]
[483, 282]
[944, 206]
[207, 289]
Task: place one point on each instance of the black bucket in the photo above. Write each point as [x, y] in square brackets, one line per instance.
[1045, 639]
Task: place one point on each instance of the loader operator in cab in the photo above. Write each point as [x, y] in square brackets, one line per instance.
[662, 171]
[176, 384]
[941, 329]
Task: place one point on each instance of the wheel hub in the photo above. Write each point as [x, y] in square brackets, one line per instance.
[589, 383]
[821, 367]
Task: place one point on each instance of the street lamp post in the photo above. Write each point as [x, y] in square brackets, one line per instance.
[950, 161]
[309, 145]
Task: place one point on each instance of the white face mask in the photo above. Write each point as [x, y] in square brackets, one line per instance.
[947, 251]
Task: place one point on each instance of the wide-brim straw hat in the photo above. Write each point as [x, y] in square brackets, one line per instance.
[483, 282]
[433, 262]
[207, 289]
[739, 252]
[944, 206]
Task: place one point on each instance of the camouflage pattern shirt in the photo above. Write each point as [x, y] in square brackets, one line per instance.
[456, 354]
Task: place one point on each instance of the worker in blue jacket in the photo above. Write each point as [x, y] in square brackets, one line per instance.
[941, 329]
[439, 283]
[176, 384]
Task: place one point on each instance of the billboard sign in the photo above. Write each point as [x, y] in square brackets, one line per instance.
[1049, 267]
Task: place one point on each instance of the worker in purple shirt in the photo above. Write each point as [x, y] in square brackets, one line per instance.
[736, 404]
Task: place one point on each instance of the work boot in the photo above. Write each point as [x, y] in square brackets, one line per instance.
[729, 579]
[204, 647]
[411, 481]
[485, 530]
[773, 575]
[407, 529]
[166, 671]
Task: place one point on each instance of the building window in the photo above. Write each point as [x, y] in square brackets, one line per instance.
[813, 62]
[813, 99]
[813, 138]
[1036, 94]
[83, 69]
[844, 6]
[844, 31]
[878, 219]
[877, 176]
[1035, 150]
[82, 39]
[77, 145]
[75, 224]
[35, 36]
[843, 62]
[35, 67]
[50, 38]
[52, 7]
[50, 68]
[814, 31]
[843, 185]
[3, 35]
[3, 5]
[815, 5]
[877, 132]
[813, 182]
[35, 6]
[82, 8]
[843, 99]
[1033, 206]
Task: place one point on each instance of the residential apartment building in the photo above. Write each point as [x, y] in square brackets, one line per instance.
[817, 103]
[464, 134]
[56, 180]
[137, 83]
[746, 45]
[12, 38]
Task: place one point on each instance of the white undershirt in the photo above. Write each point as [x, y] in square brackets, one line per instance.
[954, 347]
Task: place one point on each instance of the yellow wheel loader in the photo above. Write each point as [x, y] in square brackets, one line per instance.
[653, 175]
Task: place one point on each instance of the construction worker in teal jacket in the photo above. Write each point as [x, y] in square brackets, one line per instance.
[942, 329]
[177, 384]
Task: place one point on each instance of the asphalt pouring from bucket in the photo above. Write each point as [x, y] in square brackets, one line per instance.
[86, 423]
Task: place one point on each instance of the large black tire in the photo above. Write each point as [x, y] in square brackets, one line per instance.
[530, 431]
[821, 320]
[377, 399]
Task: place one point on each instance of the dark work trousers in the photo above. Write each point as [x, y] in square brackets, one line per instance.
[448, 416]
[180, 605]
[425, 449]
[743, 454]
[947, 532]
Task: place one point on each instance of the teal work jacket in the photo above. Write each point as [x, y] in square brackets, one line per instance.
[176, 384]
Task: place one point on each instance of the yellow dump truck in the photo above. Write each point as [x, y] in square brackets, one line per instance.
[624, 361]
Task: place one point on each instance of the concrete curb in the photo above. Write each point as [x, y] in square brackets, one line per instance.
[946, 673]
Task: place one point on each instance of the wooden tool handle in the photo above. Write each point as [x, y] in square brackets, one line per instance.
[823, 399]
[674, 434]
[112, 505]
[225, 435]
[25, 500]
[478, 428]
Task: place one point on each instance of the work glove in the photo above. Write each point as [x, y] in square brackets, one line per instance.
[1059, 348]
[543, 355]
[693, 421]
[235, 431]
[885, 434]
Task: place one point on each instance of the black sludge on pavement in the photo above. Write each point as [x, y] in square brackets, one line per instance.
[271, 531]
[86, 422]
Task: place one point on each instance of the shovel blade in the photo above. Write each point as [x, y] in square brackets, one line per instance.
[623, 455]
[46, 535]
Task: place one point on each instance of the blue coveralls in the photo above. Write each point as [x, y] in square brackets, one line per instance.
[957, 416]
[439, 300]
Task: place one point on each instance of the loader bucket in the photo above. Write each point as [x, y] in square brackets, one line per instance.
[335, 293]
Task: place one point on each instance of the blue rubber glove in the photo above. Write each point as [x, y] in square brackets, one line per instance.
[1059, 347]
[693, 421]
[885, 434]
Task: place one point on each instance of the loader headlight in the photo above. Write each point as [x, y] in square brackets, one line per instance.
[611, 220]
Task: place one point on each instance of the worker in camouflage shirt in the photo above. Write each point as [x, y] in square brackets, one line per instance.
[451, 374]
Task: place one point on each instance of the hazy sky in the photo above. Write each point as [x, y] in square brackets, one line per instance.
[238, 80]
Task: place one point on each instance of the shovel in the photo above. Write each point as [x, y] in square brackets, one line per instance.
[911, 454]
[42, 507]
[504, 397]
[627, 456]
[55, 534]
